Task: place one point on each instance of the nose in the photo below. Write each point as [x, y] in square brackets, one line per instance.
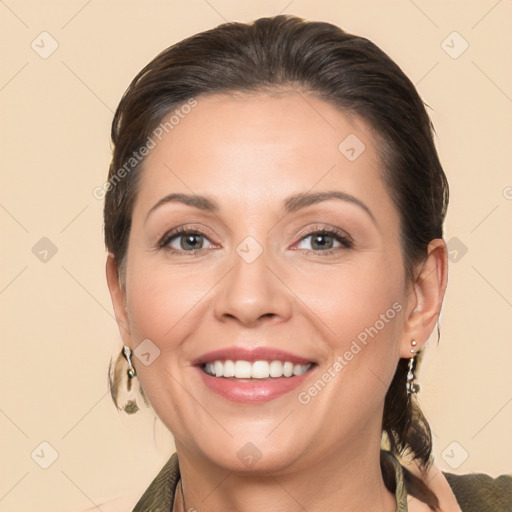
[252, 293]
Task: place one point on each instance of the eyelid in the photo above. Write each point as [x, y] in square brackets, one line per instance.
[344, 237]
[324, 228]
[185, 229]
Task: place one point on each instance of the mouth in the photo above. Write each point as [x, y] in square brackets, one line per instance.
[254, 370]
[253, 375]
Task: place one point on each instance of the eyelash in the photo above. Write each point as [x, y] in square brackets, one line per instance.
[335, 233]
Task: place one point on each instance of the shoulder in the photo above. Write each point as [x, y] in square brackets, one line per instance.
[480, 492]
[121, 504]
[159, 496]
[471, 492]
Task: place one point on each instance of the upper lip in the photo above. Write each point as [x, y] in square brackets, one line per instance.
[251, 355]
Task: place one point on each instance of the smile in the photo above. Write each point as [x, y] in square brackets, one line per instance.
[254, 370]
[253, 375]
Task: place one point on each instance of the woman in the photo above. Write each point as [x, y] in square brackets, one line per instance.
[274, 220]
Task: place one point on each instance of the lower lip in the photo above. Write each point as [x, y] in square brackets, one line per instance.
[253, 390]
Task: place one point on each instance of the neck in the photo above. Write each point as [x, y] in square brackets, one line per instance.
[349, 481]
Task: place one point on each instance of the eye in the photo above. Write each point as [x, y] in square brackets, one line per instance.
[193, 241]
[184, 240]
[324, 240]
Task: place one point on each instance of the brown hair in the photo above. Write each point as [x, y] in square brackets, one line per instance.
[347, 71]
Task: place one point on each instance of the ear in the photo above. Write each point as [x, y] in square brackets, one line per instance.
[426, 297]
[118, 296]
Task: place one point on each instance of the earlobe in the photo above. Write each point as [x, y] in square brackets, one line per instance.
[118, 296]
[428, 293]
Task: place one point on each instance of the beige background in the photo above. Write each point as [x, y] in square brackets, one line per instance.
[58, 331]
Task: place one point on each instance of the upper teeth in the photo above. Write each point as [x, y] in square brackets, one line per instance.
[255, 370]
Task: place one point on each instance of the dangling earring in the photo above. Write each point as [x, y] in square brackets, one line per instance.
[127, 352]
[412, 386]
[122, 388]
[125, 390]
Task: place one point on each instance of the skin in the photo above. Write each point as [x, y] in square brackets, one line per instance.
[250, 152]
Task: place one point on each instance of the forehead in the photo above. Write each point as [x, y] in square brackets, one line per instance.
[259, 148]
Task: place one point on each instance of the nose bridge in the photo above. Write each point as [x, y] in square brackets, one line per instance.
[251, 290]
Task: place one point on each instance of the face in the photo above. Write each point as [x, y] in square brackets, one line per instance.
[288, 251]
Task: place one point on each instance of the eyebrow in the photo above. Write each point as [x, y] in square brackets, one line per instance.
[298, 201]
[290, 204]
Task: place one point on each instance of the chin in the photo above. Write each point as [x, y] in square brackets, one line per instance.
[250, 454]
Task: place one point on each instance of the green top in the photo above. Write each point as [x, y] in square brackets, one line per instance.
[474, 492]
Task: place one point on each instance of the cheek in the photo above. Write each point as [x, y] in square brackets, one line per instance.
[161, 301]
[161, 307]
[363, 309]
[353, 298]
